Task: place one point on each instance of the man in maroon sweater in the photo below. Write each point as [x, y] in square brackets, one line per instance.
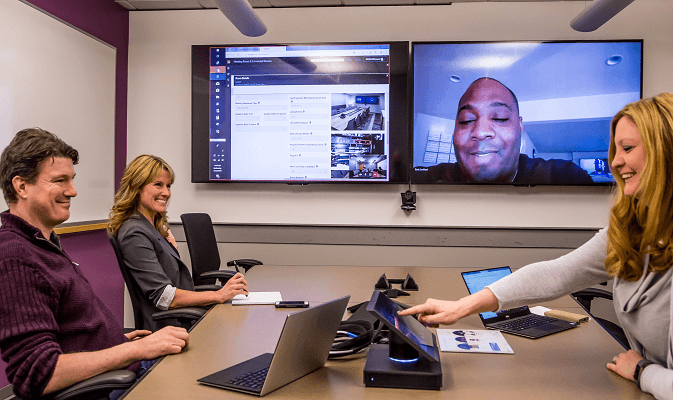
[54, 331]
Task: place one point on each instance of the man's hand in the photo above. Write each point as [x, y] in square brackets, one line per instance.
[168, 340]
[76, 367]
[234, 286]
[625, 364]
[137, 334]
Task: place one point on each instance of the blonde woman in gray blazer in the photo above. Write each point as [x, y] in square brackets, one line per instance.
[138, 223]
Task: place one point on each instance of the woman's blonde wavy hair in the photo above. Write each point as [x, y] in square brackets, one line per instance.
[643, 224]
[141, 171]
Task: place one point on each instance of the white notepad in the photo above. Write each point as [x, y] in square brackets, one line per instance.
[256, 298]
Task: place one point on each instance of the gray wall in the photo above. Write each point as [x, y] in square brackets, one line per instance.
[401, 246]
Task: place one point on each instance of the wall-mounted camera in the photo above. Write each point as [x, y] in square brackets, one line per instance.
[408, 200]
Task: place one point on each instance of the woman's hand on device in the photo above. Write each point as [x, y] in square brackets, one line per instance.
[434, 312]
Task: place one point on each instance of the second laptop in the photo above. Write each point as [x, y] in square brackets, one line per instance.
[517, 321]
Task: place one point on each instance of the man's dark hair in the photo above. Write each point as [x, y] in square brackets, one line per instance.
[24, 155]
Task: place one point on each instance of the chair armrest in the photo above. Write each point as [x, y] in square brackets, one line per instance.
[220, 274]
[593, 293]
[98, 385]
[585, 296]
[207, 288]
[245, 263]
[7, 393]
[191, 313]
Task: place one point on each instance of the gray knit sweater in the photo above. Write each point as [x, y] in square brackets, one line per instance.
[643, 307]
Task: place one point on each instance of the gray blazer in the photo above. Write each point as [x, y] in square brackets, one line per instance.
[154, 265]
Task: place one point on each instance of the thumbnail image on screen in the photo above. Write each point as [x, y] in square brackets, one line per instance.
[524, 113]
[301, 113]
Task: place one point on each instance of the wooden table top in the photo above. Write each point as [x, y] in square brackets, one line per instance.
[567, 365]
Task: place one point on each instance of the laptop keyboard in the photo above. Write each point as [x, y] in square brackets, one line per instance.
[520, 324]
[252, 380]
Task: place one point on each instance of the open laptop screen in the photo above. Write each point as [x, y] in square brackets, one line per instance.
[477, 280]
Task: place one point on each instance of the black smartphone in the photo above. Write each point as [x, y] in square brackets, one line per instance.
[291, 304]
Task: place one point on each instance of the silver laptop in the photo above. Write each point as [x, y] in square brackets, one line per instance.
[302, 348]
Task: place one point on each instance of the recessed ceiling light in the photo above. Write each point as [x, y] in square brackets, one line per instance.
[501, 56]
[614, 60]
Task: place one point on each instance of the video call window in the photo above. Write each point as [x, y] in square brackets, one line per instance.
[566, 92]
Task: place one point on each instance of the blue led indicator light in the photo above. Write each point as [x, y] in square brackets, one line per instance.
[404, 361]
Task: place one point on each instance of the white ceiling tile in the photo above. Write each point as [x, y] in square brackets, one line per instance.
[200, 4]
[125, 4]
[304, 3]
[165, 4]
[378, 2]
[260, 3]
[432, 2]
[207, 3]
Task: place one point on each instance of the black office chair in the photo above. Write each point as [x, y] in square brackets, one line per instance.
[203, 251]
[96, 388]
[584, 298]
[186, 316]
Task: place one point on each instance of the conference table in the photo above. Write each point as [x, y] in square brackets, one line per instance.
[566, 365]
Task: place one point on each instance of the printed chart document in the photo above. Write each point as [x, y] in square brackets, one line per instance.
[473, 341]
[254, 298]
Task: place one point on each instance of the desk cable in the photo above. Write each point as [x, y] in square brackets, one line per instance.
[352, 336]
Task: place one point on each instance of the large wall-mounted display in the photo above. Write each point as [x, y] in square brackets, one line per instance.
[300, 113]
[521, 113]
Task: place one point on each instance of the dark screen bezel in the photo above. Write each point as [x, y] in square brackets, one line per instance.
[413, 178]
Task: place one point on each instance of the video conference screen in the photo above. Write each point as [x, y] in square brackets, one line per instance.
[300, 113]
[521, 113]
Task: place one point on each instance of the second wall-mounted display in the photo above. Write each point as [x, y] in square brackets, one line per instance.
[522, 113]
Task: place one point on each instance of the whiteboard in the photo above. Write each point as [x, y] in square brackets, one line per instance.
[57, 78]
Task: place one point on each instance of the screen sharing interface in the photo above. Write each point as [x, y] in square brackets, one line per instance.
[478, 280]
[299, 113]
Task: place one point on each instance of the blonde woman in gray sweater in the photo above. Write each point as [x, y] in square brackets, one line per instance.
[636, 249]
